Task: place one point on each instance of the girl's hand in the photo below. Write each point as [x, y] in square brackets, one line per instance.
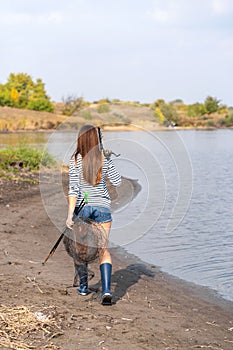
[69, 223]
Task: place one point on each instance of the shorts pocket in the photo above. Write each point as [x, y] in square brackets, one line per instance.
[103, 215]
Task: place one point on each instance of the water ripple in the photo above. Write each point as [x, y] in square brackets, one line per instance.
[200, 250]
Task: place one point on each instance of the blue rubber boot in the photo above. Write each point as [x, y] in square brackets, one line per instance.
[106, 271]
[83, 278]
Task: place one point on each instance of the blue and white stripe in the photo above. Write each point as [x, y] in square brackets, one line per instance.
[98, 194]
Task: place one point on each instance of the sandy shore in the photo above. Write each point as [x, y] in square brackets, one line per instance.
[151, 310]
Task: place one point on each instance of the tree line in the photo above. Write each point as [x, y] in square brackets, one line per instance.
[20, 91]
[172, 112]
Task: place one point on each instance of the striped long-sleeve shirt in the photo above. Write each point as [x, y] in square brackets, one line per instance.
[98, 194]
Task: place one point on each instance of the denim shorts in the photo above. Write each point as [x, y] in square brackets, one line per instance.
[95, 213]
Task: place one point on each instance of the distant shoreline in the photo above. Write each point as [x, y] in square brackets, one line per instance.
[115, 118]
[115, 129]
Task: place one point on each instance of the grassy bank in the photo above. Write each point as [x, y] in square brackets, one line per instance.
[22, 162]
[117, 116]
[14, 119]
[114, 115]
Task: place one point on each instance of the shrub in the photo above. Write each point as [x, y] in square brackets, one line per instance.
[196, 110]
[159, 115]
[5, 97]
[222, 122]
[211, 104]
[177, 101]
[21, 91]
[228, 121]
[72, 104]
[86, 115]
[210, 123]
[169, 112]
[40, 104]
[116, 101]
[165, 112]
[16, 159]
[104, 100]
[103, 108]
[119, 115]
[157, 103]
[123, 118]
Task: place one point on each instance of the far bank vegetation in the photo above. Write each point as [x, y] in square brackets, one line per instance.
[25, 105]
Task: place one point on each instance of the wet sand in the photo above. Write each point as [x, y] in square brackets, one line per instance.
[151, 310]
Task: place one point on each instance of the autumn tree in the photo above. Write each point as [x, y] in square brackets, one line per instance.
[72, 104]
[164, 112]
[21, 91]
[196, 110]
[211, 104]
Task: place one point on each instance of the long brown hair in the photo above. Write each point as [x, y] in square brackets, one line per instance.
[88, 145]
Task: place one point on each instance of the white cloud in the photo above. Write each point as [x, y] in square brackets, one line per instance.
[192, 14]
[183, 38]
[177, 12]
[162, 13]
[14, 18]
[222, 7]
[54, 17]
[28, 18]
[226, 47]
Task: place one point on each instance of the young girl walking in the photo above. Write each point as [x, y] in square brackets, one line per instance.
[87, 174]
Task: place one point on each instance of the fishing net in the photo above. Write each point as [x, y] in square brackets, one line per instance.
[86, 242]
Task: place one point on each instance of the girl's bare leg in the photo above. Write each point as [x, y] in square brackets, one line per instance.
[105, 256]
[105, 262]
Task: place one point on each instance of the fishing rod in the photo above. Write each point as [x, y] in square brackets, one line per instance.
[80, 207]
[107, 153]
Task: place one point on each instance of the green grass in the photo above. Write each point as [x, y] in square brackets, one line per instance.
[23, 158]
[103, 108]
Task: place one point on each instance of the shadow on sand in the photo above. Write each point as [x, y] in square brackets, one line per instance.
[122, 280]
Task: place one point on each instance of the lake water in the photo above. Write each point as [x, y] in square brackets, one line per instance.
[182, 218]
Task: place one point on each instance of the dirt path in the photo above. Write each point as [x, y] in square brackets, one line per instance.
[151, 310]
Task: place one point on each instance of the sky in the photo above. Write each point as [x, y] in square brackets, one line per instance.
[135, 50]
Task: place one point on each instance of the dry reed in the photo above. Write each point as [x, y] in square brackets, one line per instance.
[23, 329]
